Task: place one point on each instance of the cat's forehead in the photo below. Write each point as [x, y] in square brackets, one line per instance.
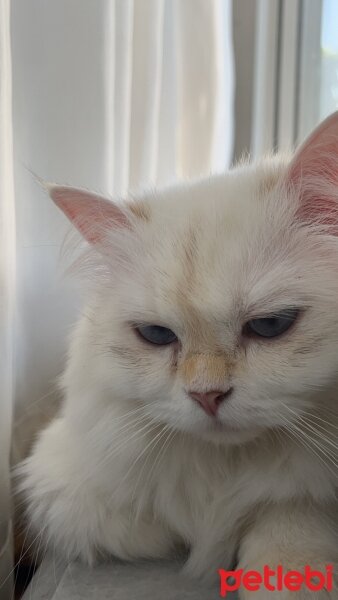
[224, 205]
[210, 246]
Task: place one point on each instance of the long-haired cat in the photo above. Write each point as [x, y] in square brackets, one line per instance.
[200, 394]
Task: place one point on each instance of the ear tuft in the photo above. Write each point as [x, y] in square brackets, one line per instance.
[93, 215]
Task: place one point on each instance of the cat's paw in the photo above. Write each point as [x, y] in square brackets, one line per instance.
[204, 561]
[59, 511]
[69, 511]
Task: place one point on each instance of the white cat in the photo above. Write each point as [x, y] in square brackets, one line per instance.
[200, 396]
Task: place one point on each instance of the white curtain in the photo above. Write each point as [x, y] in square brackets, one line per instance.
[111, 95]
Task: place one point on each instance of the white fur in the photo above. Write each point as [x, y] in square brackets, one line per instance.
[132, 466]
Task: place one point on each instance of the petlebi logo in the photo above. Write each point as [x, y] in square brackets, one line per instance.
[278, 579]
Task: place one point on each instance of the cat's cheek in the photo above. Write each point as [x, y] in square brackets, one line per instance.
[294, 366]
[140, 375]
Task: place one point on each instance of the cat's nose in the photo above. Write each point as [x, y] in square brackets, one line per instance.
[210, 401]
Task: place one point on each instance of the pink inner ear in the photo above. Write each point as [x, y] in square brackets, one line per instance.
[314, 173]
[91, 214]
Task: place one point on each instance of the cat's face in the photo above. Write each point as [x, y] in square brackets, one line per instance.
[221, 316]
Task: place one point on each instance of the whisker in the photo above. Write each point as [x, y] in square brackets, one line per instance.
[313, 429]
[309, 442]
[22, 556]
[316, 417]
[161, 454]
[153, 444]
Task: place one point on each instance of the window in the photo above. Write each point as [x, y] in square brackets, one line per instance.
[328, 100]
[296, 70]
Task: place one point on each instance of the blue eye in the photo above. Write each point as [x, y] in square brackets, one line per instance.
[269, 327]
[155, 334]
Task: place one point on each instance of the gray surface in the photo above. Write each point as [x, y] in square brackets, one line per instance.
[117, 581]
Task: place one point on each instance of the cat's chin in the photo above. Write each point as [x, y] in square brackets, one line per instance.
[229, 436]
[221, 433]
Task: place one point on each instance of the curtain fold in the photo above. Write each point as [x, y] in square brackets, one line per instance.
[204, 69]
[146, 90]
[170, 91]
[111, 95]
[7, 288]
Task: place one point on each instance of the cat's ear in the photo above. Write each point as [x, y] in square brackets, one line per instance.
[91, 214]
[313, 173]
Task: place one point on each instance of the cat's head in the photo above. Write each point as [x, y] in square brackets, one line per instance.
[218, 304]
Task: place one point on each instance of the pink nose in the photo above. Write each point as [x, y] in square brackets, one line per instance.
[210, 401]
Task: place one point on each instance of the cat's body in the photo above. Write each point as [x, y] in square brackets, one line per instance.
[201, 440]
